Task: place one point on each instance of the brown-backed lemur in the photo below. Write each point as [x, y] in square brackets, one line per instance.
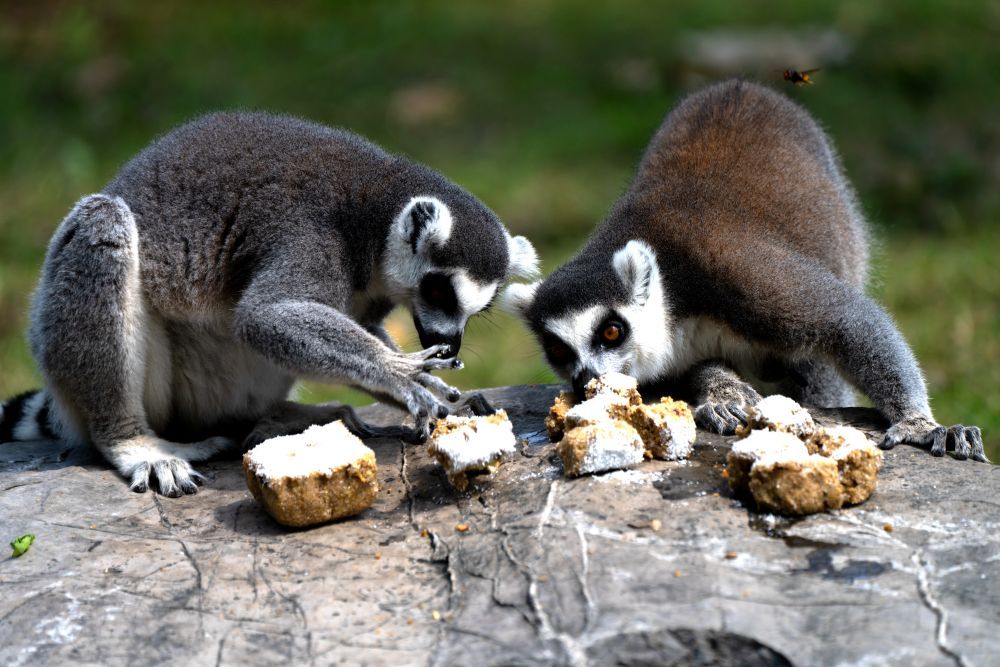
[231, 257]
[738, 251]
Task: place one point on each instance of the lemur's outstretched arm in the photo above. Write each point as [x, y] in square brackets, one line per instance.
[296, 323]
[816, 312]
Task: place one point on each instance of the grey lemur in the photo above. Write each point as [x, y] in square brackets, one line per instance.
[234, 255]
[738, 251]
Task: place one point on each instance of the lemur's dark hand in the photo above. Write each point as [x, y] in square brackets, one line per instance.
[725, 408]
[417, 383]
[965, 441]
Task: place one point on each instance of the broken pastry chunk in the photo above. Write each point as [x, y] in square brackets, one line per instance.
[614, 383]
[667, 428]
[607, 445]
[858, 460]
[322, 474]
[757, 445]
[557, 414]
[796, 485]
[779, 413]
[596, 410]
[465, 445]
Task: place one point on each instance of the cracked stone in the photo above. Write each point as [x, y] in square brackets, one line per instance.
[551, 571]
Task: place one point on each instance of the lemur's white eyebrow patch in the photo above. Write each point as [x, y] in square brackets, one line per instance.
[577, 328]
[472, 296]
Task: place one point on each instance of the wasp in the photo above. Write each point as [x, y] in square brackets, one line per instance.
[798, 78]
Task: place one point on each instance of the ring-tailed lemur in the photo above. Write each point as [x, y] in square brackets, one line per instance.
[738, 247]
[229, 258]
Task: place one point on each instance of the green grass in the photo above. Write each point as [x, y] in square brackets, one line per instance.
[543, 107]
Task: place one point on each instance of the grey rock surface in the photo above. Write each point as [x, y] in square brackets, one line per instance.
[550, 571]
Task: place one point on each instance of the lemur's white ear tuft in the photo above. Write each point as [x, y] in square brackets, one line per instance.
[523, 258]
[424, 221]
[636, 265]
[517, 297]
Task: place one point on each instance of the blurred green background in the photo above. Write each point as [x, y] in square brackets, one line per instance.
[541, 108]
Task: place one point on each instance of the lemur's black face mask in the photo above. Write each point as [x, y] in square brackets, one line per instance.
[442, 323]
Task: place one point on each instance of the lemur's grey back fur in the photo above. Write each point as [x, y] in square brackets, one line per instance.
[229, 258]
[741, 215]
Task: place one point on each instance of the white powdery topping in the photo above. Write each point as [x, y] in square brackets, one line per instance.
[477, 443]
[772, 444]
[631, 477]
[780, 411]
[851, 439]
[679, 433]
[774, 459]
[593, 411]
[318, 449]
[611, 446]
[611, 382]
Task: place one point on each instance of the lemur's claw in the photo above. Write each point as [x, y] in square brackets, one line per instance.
[965, 441]
[457, 364]
[442, 412]
[453, 396]
[721, 418]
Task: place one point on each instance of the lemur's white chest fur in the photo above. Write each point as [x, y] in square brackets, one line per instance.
[196, 372]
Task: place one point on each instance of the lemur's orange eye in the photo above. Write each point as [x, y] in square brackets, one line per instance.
[611, 334]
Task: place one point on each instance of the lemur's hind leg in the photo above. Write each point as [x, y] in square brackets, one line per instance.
[721, 396]
[817, 383]
[88, 336]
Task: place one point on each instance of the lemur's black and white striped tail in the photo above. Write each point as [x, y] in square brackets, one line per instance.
[27, 416]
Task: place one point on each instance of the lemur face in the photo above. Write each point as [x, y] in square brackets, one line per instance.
[441, 294]
[628, 333]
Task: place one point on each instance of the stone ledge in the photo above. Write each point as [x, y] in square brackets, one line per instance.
[552, 571]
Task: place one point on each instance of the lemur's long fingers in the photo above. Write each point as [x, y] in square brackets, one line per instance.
[440, 386]
[956, 435]
[430, 352]
[975, 437]
[939, 439]
[435, 364]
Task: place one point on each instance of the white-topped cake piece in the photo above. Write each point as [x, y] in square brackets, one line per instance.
[667, 428]
[614, 383]
[464, 445]
[779, 413]
[321, 474]
[758, 444]
[796, 484]
[858, 459]
[607, 445]
[596, 410]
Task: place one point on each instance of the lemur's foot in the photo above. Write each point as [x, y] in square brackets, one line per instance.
[416, 395]
[145, 459]
[721, 418]
[965, 441]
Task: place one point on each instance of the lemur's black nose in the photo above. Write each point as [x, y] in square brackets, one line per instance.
[580, 381]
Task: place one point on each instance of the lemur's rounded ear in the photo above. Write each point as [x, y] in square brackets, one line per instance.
[517, 297]
[523, 258]
[424, 221]
[636, 266]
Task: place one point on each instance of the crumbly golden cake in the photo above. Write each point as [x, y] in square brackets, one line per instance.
[800, 485]
[557, 414]
[779, 413]
[858, 460]
[667, 428]
[756, 445]
[614, 383]
[466, 445]
[608, 445]
[322, 474]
